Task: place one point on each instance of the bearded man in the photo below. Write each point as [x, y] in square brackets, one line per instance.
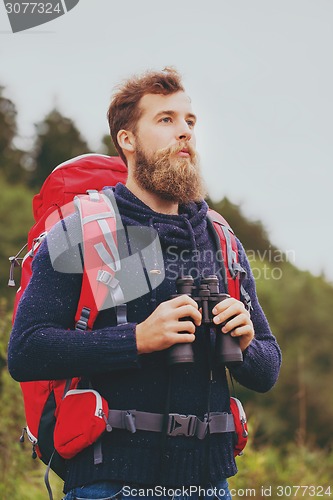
[152, 125]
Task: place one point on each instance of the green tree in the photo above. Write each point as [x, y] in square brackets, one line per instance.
[11, 158]
[108, 147]
[7, 121]
[15, 221]
[298, 306]
[287, 425]
[300, 407]
[251, 233]
[57, 140]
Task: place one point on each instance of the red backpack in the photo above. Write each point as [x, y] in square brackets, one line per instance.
[72, 179]
[55, 201]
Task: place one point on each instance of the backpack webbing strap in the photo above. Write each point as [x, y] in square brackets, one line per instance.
[228, 244]
[177, 424]
[47, 476]
[98, 454]
[235, 274]
[101, 259]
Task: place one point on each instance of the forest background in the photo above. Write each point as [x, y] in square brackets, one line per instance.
[291, 427]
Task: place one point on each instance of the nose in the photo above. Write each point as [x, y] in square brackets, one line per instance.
[185, 133]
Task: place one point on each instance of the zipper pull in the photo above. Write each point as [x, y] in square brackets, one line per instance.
[103, 416]
[34, 453]
[244, 433]
[15, 261]
[24, 430]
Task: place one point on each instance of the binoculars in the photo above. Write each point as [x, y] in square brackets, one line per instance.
[206, 295]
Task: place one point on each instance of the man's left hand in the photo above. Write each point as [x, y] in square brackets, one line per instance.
[238, 319]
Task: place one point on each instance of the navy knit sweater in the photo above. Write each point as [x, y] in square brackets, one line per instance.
[44, 345]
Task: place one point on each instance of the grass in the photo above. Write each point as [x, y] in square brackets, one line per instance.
[279, 473]
[268, 472]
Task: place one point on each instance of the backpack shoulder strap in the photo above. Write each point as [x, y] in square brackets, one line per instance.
[227, 242]
[101, 259]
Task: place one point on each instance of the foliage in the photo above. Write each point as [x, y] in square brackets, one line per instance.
[15, 221]
[298, 306]
[7, 121]
[57, 140]
[252, 234]
[288, 467]
[300, 407]
[291, 427]
[108, 148]
[11, 158]
[21, 478]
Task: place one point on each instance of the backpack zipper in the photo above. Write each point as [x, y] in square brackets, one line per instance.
[99, 404]
[31, 438]
[242, 416]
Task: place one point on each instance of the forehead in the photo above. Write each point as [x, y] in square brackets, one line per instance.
[152, 104]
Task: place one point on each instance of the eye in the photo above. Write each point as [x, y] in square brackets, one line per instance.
[190, 123]
[166, 119]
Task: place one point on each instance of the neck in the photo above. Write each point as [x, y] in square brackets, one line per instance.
[152, 200]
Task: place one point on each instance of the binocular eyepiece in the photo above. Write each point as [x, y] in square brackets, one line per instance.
[206, 295]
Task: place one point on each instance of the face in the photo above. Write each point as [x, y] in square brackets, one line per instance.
[166, 162]
[165, 120]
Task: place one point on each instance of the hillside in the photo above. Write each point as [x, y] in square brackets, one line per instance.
[298, 306]
[298, 411]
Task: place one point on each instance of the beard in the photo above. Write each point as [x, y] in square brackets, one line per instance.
[169, 176]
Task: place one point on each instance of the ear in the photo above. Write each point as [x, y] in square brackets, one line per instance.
[126, 141]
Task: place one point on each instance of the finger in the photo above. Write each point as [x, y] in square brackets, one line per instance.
[226, 303]
[185, 326]
[182, 338]
[243, 331]
[237, 321]
[188, 311]
[184, 300]
[223, 305]
[235, 309]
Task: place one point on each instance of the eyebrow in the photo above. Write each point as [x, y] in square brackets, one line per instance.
[173, 113]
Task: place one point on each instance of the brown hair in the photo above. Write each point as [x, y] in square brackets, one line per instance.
[124, 111]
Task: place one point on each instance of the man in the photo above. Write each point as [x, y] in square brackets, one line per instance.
[152, 125]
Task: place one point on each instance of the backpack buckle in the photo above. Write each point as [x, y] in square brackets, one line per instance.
[181, 425]
[107, 278]
[82, 323]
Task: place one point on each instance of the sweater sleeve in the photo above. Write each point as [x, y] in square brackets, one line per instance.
[262, 358]
[44, 344]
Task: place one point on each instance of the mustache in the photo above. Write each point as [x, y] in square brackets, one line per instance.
[176, 148]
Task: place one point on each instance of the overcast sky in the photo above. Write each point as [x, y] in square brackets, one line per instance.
[260, 75]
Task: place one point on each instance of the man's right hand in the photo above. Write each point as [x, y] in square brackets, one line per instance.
[161, 329]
